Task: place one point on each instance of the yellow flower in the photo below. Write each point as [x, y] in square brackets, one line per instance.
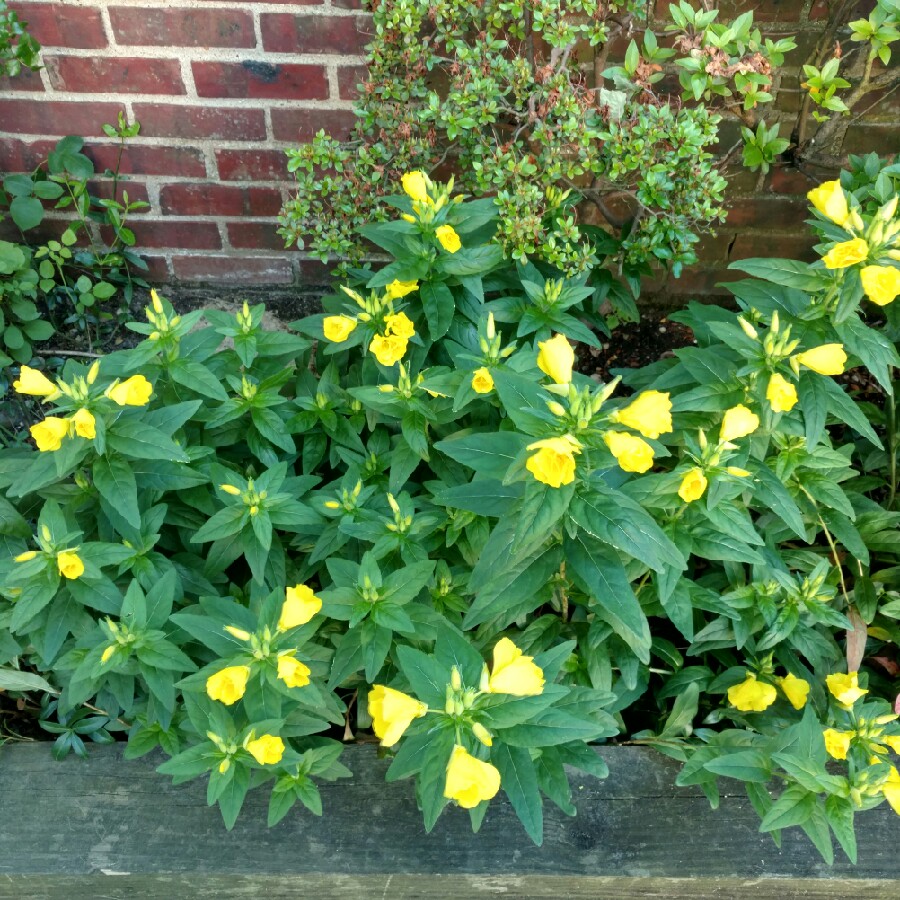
[397, 289]
[633, 454]
[134, 391]
[300, 605]
[650, 413]
[893, 741]
[27, 556]
[826, 359]
[69, 564]
[556, 358]
[845, 688]
[400, 325]
[795, 689]
[267, 749]
[752, 695]
[891, 789]
[554, 462]
[692, 485]
[448, 238]
[388, 349]
[849, 253]
[469, 780]
[837, 743]
[228, 685]
[338, 328]
[513, 673]
[49, 434]
[781, 394]
[829, 199]
[482, 383]
[881, 283]
[35, 383]
[392, 713]
[738, 422]
[85, 425]
[415, 185]
[291, 671]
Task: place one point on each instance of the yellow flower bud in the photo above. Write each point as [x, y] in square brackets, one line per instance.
[781, 394]
[738, 422]
[881, 283]
[228, 685]
[448, 238]
[134, 391]
[632, 453]
[300, 605]
[693, 485]
[106, 655]
[69, 564]
[837, 743]
[752, 695]
[93, 372]
[392, 713]
[848, 253]
[157, 304]
[554, 461]
[556, 357]
[513, 673]
[49, 434]
[469, 780]
[291, 671]
[650, 413]
[482, 734]
[845, 688]
[829, 199]
[482, 382]
[239, 633]
[267, 749]
[230, 489]
[26, 556]
[827, 359]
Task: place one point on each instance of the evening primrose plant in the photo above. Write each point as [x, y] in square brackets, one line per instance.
[414, 522]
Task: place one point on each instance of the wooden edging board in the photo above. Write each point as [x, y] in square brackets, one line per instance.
[106, 827]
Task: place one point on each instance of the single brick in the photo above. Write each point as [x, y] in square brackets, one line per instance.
[170, 120]
[58, 117]
[142, 159]
[777, 213]
[233, 269]
[136, 190]
[143, 26]
[252, 165]
[95, 75]
[163, 233]
[157, 270]
[313, 272]
[788, 180]
[63, 24]
[299, 125]
[26, 80]
[290, 33]
[249, 235]
[209, 199]
[260, 80]
[790, 246]
[348, 79]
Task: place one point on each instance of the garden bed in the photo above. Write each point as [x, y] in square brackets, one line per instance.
[118, 828]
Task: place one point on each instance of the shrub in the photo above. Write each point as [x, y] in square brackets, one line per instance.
[237, 544]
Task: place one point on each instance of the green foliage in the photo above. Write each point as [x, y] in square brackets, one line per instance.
[73, 276]
[18, 49]
[244, 545]
[498, 93]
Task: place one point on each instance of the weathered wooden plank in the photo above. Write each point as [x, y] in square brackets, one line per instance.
[108, 815]
[423, 887]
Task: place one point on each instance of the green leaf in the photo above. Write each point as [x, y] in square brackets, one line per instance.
[15, 680]
[519, 782]
[793, 807]
[490, 453]
[439, 306]
[139, 440]
[116, 484]
[597, 570]
[744, 765]
[26, 212]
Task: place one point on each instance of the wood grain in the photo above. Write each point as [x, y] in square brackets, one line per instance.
[77, 828]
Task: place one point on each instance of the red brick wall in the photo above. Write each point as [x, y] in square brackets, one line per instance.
[222, 87]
